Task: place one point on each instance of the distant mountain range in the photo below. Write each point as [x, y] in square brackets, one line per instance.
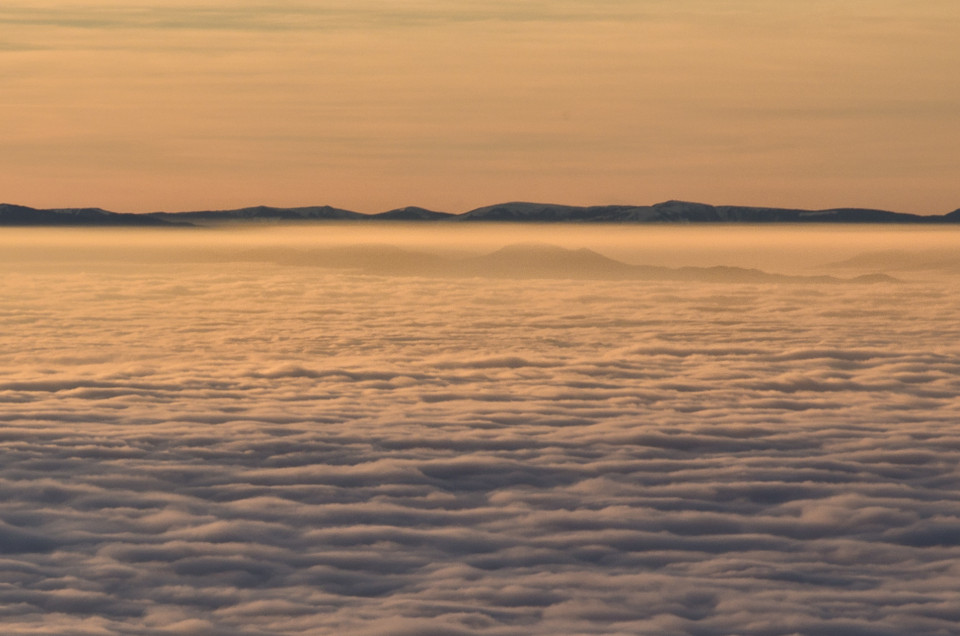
[519, 261]
[23, 215]
[669, 212]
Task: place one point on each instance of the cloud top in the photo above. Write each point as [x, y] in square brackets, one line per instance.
[251, 448]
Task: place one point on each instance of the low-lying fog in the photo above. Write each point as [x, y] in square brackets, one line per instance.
[200, 434]
[791, 249]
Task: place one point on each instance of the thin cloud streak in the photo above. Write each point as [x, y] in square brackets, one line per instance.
[307, 16]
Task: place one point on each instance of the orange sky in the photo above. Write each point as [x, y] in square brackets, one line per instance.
[374, 104]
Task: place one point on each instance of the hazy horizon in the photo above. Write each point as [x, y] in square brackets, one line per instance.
[787, 248]
[409, 204]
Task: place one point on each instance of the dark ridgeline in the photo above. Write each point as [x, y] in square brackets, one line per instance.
[21, 215]
[263, 213]
[668, 212]
[687, 212]
[413, 213]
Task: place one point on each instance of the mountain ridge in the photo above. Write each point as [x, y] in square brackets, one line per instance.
[527, 261]
[21, 215]
[667, 212]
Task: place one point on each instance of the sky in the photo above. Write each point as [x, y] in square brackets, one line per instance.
[369, 105]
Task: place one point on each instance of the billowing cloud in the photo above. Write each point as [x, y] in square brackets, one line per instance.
[250, 448]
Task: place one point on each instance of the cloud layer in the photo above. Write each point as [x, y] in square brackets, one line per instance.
[253, 449]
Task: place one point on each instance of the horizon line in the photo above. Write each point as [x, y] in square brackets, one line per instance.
[659, 204]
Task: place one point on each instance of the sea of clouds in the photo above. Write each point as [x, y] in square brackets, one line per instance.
[245, 448]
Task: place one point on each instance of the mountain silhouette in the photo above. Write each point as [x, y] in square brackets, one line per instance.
[523, 261]
[668, 212]
[21, 215]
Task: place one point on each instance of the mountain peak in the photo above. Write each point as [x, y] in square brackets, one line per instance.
[412, 213]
